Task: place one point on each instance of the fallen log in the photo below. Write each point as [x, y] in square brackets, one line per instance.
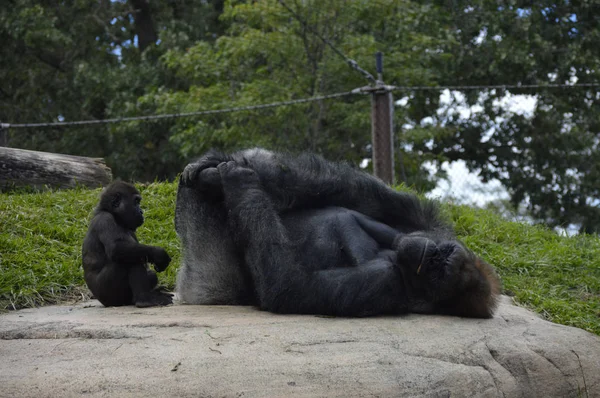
[20, 167]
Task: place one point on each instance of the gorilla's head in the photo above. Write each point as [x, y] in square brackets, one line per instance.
[449, 278]
[122, 200]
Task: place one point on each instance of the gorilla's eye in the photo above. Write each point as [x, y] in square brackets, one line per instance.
[138, 200]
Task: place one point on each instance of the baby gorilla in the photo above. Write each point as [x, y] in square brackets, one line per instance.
[114, 263]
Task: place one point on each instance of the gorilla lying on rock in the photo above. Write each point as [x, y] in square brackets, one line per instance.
[305, 235]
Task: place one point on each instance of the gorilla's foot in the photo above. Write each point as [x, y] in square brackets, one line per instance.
[237, 180]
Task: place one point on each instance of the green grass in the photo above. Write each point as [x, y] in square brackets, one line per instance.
[41, 235]
[556, 276]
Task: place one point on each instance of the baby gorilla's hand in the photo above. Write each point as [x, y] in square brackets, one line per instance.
[160, 259]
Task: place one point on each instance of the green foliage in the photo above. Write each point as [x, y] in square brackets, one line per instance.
[549, 161]
[266, 56]
[42, 233]
[76, 60]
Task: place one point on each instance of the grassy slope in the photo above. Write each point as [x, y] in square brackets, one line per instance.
[41, 235]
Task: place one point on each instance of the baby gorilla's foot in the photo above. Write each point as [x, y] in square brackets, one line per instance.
[153, 299]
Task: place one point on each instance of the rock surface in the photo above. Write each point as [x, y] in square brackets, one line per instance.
[181, 351]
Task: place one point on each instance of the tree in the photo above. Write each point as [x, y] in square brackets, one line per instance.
[90, 60]
[548, 161]
[73, 60]
[267, 55]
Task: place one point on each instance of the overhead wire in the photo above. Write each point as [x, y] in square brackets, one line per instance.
[361, 90]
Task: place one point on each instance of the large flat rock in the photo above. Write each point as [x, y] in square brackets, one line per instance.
[180, 351]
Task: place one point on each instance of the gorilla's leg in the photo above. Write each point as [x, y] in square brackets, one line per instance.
[111, 286]
[122, 285]
[210, 271]
[281, 283]
[341, 185]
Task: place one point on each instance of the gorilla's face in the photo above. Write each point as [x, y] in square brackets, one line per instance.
[122, 200]
[436, 265]
[129, 211]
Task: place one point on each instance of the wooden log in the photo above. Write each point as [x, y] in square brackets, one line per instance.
[19, 167]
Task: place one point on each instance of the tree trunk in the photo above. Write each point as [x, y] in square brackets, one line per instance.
[19, 167]
[144, 27]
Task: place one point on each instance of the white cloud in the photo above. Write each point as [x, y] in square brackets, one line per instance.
[465, 187]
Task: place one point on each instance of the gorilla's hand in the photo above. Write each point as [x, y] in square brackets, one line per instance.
[435, 263]
[416, 252]
[203, 173]
[160, 259]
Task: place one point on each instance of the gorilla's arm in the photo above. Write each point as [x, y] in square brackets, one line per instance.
[121, 246]
[382, 233]
[310, 181]
[281, 283]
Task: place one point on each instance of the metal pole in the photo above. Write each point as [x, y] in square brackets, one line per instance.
[379, 66]
[382, 115]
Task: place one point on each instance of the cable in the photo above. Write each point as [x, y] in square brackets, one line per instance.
[361, 90]
[491, 87]
[352, 63]
[178, 115]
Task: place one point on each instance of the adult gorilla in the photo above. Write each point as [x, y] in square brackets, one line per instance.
[305, 235]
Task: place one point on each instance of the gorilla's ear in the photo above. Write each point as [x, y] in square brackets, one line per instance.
[116, 200]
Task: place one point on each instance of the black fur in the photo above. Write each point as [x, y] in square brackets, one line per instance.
[304, 235]
[114, 262]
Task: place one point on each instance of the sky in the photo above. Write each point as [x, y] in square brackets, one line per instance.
[462, 185]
